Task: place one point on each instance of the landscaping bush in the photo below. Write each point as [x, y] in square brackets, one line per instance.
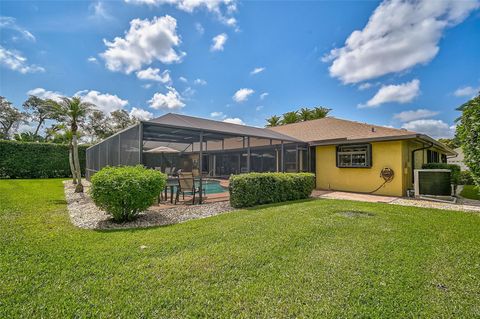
[36, 160]
[466, 178]
[125, 191]
[453, 167]
[263, 188]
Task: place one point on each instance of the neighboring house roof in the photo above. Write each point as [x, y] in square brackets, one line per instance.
[459, 159]
[330, 130]
[196, 123]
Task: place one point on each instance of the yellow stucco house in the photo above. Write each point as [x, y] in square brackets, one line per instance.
[351, 156]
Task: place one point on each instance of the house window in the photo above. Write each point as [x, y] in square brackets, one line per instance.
[433, 157]
[354, 155]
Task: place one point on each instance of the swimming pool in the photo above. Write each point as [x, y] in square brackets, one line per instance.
[212, 186]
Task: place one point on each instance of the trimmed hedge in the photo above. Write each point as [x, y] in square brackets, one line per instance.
[453, 167]
[262, 188]
[36, 160]
[125, 191]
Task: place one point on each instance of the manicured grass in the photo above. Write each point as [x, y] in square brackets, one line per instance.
[301, 259]
[470, 192]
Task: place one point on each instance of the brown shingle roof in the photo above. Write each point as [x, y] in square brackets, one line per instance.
[198, 123]
[330, 128]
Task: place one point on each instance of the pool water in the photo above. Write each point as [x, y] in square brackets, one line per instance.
[214, 187]
[211, 187]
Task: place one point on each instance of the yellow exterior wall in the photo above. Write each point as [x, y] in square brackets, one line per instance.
[392, 154]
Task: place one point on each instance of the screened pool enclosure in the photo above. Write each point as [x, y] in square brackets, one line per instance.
[210, 148]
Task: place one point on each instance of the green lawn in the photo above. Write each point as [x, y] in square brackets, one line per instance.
[302, 259]
[470, 192]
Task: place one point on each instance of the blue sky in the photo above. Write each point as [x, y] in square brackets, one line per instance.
[395, 63]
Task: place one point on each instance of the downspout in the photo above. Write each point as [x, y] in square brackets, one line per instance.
[413, 158]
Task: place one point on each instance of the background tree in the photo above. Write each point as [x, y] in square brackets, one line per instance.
[273, 121]
[305, 114]
[320, 112]
[28, 137]
[468, 132]
[121, 119]
[450, 142]
[10, 118]
[290, 117]
[39, 111]
[73, 112]
[98, 126]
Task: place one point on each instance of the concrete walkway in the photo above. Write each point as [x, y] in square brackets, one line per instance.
[461, 206]
[353, 196]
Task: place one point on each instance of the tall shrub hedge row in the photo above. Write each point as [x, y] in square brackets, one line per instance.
[36, 160]
[263, 188]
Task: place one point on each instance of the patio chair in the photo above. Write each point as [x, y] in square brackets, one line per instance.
[186, 185]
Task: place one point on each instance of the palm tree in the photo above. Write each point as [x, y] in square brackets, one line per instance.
[73, 113]
[320, 112]
[305, 114]
[273, 121]
[290, 117]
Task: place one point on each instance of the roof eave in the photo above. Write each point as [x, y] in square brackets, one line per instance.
[421, 137]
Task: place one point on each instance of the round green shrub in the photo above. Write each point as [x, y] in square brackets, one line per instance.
[125, 191]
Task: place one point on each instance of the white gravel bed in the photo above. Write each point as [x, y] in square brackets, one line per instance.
[84, 214]
[432, 204]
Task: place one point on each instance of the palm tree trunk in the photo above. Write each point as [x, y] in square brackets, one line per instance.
[72, 166]
[76, 161]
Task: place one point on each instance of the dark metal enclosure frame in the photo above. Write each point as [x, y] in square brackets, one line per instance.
[215, 149]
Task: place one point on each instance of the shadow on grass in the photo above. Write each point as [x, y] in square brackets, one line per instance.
[58, 202]
[253, 208]
[279, 204]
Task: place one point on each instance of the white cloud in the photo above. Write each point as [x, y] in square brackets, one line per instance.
[200, 82]
[217, 114]
[105, 102]
[147, 86]
[218, 42]
[11, 23]
[263, 95]
[234, 120]
[199, 27]
[365, 86]
[398, 36]
[145, 42]
[433, 128]
[223, 9]
[45, 94]
[183, 79]
[401, 93]
[13, 60]
[171, 100]
[242, 95]
[98, 11]
[257, 70]
[189, 92]
[141, 114]
[92, 59]
[154, 75]
[467, 91]
[407, 116]
[258, 108]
